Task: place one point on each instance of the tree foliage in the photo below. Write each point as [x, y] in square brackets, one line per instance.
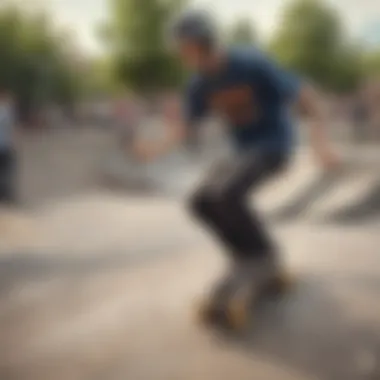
[136, 38]
[372, 64]
[35, 64]
[311, 41]
[242, 32]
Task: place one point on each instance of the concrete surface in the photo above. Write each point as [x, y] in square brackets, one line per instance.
[99, 285]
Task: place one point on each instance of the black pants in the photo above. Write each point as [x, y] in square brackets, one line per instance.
[221, 203]
[7, 175]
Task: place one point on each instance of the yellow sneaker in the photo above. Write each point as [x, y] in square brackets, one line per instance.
[256, 277]
[238, 310]
[211, 309]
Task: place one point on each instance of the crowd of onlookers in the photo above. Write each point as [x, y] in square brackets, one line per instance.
[358, 115]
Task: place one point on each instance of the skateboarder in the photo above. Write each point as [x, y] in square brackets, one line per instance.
[255, 97]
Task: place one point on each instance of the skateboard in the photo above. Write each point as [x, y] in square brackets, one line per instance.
[232, 307]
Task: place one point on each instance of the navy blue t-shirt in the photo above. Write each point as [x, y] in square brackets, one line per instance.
[253, 95]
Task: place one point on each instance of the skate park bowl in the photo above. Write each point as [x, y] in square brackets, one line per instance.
[101, 283]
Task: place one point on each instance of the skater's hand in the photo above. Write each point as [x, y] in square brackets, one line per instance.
[330, 161]
[150, 152]
[145, 152]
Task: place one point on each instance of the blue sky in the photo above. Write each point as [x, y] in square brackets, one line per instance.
[362, 17]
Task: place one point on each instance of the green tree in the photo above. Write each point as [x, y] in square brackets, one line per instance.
[311, 41]
[99, 78]
[242, 32]
[372, 64]
[136, 38]
[36, 64]
[347, 71]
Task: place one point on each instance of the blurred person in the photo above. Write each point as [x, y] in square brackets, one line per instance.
[128, 114]
[256, 98]
[360, 116]
[7, 148]
[374, 108]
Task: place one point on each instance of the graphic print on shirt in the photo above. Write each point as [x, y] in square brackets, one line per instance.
[237, 104]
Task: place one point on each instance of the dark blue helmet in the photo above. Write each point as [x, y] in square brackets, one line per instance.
[195, 26]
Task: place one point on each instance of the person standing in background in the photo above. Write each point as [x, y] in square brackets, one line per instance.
[360, 117]
[7, 149]
[127, 113]
[374, 109]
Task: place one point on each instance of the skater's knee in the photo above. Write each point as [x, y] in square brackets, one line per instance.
[202, 204]
[208, 204]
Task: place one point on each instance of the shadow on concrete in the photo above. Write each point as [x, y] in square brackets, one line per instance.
[26, 266]
[311, 332]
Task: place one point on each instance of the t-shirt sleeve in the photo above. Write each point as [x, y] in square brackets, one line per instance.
[277, 82]
[195, 105]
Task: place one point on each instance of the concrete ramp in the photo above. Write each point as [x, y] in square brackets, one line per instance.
[96, 285]
[18, 230]
[110, 295]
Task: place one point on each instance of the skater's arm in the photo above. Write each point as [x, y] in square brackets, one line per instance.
[283, 86]
[174, 136]
[312, 106]
[180, 125]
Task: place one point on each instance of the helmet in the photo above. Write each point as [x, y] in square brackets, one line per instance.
[195, 26]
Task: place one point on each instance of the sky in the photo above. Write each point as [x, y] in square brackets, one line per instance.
[362, 17]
